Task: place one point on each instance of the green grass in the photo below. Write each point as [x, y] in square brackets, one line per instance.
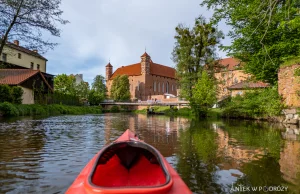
[290, 62]
[8, 109]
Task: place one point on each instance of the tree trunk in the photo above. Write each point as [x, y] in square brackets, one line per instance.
[4, 38]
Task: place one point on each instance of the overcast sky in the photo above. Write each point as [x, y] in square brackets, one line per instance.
[119, 30]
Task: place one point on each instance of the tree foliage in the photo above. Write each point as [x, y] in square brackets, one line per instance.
[265, 33]
[82, 89]
[120, 89]
[193, 49]
[98, 91]
[27, 19]
[99, 85]
[11, 94]
[204, 94]
[65, 84]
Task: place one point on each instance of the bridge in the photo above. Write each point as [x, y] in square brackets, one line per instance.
[144, 104]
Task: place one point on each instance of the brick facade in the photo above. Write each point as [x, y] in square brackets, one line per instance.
[146, 78]
[289, 85]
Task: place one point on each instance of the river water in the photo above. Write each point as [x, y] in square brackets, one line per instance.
[45, 155]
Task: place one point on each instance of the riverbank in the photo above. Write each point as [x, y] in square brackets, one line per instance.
[8, 109]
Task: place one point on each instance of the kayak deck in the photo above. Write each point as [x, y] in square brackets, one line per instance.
[129, 164]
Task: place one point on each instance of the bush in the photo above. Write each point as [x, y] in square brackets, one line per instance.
[5, 93]
[16, 95]
[263, 103]
[7, 109]
[114, 109]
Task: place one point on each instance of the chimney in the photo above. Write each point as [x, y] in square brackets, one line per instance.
[36, 51]
[16, 42]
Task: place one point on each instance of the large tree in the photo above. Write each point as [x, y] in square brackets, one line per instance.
[204, 94]
[65, 84]
[82, 89]
[98, 91]
[193, 49]
[26, 20]
[265, 33]
[120, 89]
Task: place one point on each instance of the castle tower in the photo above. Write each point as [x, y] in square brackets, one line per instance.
[109, 70]
[145, 64]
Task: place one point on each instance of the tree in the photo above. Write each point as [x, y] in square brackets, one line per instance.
[193, 49]
[98, 92]
[265, 33]
[120, 89]
[65, 84]
[204, 94]
[82, 89]
[99, 85]
[27, 19]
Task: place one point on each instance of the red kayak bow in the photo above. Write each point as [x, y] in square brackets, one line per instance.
[128, 165]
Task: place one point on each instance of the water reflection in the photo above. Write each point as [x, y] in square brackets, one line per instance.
[45, 155]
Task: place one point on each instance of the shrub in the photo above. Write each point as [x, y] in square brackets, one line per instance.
[263, 103]
[114, 109]
[8, 109]
[5, 94]
[16, 94]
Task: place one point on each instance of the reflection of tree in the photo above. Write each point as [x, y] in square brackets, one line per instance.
[20, 153]
[197, 157]
[263, 172]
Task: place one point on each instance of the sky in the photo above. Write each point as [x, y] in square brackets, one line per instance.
[119, 31]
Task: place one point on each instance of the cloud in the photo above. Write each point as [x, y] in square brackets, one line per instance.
[119, 31]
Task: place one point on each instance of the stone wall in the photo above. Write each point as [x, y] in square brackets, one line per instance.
[289, 85]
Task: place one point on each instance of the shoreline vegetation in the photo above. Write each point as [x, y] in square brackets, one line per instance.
[13, 110]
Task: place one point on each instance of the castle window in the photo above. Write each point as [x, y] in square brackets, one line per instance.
[138, 86]
[167, 87]
[172, 87]
[154, 86]
[19, 55]
[38, 66]
[158, 87]
[163, 87]
[31, 65]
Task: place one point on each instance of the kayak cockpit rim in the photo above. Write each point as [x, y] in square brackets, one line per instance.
[134, 144]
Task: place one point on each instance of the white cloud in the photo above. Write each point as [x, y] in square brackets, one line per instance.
[118, 30]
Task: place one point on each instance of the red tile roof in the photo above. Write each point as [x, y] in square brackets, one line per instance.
[248, 85]
[161, 70]
[130, 70]
[25, 50]
[108, 65]
[18, 76]
[145, 54]
[155, 69]
[229, 63]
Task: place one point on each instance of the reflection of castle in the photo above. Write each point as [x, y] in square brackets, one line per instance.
[158, 131]
[237, 154]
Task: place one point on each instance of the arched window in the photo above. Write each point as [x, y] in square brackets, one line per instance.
[138, 86]
[172, 87]
[163, 88]
[158, 87]
[167, 87]
[154, 86]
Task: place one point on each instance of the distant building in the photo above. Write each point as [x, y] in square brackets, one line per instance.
[228, 73]
[240, 88]
[232, 80]
[146, 78]
[78, 78]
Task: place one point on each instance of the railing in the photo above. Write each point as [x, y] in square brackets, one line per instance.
[146, 103]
